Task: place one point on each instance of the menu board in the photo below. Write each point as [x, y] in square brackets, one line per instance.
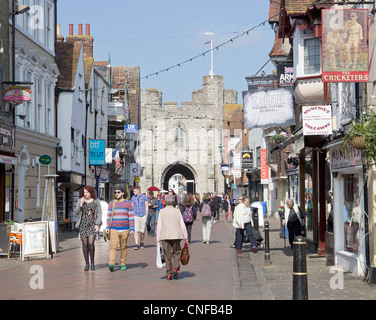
[35, 240]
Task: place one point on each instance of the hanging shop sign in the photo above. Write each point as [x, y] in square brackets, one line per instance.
[97, 152]
[247, 160]
[268, 108]
[17, 95]
[131, 128]
[338, 161]
[6, 138]
[345, 48]
[317, 120]
[45, 159]
[264, 174]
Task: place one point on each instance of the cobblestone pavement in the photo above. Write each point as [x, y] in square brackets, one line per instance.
[215, 272]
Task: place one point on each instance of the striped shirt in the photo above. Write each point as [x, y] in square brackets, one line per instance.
[139, 205]
[123, 218]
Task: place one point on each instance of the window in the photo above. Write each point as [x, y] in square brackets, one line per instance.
[179, 137]
[258, 157]
[40, 102]
[312, 56]
[72, 135]
[48, 28]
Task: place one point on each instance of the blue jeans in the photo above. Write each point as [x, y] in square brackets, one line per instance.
[150, 223]
[240, 233]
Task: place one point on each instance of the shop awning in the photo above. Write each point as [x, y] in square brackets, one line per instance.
[8, 158]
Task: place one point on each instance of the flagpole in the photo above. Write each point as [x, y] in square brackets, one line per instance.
[211, 52]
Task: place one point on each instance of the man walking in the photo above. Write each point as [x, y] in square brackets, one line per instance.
[294, 219]
[120, 223]
[153, 206]
[141, 210]
[243, 221]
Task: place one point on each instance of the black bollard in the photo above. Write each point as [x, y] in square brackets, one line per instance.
[299, 274]
[267, 247]
[255, 218]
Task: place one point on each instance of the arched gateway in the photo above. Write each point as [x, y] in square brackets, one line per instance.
[186, 140]
[183, 169]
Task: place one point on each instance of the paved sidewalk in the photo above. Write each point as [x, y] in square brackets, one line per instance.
[274, 282]
[215, 272]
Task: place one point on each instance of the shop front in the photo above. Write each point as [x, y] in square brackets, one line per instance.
[348, 211]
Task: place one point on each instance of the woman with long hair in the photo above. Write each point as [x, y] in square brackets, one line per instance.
[89, 219]
[206, 209]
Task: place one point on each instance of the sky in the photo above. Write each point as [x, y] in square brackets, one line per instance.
[160, 34]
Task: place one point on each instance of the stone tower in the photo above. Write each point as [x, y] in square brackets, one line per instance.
[186, 140]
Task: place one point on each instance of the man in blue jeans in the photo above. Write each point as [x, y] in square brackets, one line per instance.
[243, 221]
[153, 206]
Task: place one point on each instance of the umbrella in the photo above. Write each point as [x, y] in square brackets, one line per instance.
[153, 189]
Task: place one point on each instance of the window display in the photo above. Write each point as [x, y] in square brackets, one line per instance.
[351, 212]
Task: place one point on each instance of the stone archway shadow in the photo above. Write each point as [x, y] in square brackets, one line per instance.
[182, 168]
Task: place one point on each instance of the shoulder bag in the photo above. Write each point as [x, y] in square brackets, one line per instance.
[106, 236]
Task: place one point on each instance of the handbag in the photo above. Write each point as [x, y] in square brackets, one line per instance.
[185, 255]
[106, 236]
[160, 257]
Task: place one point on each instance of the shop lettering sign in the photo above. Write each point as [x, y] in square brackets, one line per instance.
[339, 161]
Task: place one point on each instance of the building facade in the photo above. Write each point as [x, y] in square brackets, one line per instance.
[186, 140]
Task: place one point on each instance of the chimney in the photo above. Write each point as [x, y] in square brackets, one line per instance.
[88, 29]
[59, 36]
[71, 29]
[80, 29]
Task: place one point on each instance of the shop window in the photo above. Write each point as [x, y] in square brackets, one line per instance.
[351, 212]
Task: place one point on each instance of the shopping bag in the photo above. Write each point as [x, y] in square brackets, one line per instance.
[185, 255]
[160, 257]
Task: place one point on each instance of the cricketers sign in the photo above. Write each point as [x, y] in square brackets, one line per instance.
[345, 45]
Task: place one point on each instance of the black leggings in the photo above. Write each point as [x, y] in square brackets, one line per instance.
[88, 247]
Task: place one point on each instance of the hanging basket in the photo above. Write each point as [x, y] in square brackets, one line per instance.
[358, 142]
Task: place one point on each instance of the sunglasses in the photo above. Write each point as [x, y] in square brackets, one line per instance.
[118, 191]
[240, 198]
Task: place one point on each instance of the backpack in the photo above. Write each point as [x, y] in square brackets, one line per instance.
[206, 211]
[187, 215]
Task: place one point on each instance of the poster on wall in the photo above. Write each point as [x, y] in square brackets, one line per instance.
[345, 45]
[268, 108]
[317, 120]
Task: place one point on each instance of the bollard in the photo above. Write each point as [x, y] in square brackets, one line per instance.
[267, 248]
[255, 219]
[299, 274]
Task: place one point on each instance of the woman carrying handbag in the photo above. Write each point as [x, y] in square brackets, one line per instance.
[170, 231]
[89, 219]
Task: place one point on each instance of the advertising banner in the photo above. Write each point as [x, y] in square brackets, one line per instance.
[268, 108]
[317, 120]
[264, 167]
[345, 45]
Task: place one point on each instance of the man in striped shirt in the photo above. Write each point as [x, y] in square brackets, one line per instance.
[120, 227]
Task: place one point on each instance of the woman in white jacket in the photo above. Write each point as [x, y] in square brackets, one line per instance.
[243, 221]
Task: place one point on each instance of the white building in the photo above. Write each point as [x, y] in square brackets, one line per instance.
[35, 120]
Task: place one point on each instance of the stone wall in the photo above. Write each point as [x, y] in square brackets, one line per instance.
[190, 135]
